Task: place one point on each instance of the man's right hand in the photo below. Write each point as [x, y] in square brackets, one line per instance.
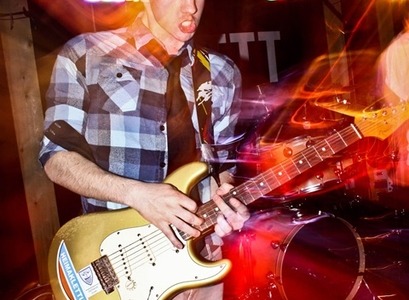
[163, 205]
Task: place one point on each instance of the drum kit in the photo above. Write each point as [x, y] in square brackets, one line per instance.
[308, 239]
[292, 255]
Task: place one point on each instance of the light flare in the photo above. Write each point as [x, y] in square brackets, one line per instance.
[91, 15]
[112, 1]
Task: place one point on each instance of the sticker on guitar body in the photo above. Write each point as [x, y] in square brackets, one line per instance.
[81, 285]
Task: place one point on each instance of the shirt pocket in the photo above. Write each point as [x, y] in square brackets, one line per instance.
[120, 85]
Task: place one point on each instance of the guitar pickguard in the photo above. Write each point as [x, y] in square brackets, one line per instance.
[148, 265]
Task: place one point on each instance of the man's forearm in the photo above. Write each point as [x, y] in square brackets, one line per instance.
[76, 173]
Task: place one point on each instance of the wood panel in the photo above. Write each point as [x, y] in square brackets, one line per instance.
[27, 111]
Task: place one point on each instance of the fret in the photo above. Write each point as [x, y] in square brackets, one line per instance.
[283, 172]
[263, 183]
[210, 220]
[352, 136]
[271, 179]
[247, 192]
[328, 149]
[336, 143]
[291, 167]
[302, 162]
[211, 210]
[342, 139]
[314, 155]
[314, 159]
[355, 130]
[325, 149]
[248, 197]
[279, 175]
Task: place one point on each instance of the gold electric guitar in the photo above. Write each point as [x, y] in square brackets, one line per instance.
[119, 255]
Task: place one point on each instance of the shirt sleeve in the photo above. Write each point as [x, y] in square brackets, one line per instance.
[226, 88]
[67, 94]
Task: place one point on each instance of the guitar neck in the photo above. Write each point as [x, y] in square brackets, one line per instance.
[296, 165]
[280, 174]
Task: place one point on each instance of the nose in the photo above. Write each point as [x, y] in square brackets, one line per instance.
[189, 6]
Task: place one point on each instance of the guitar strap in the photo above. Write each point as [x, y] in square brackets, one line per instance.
[64, 135]
[202, 84]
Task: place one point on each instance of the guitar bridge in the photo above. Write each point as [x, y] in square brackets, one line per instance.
[105, 273]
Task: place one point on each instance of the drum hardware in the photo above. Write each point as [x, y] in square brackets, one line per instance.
[302, 219]
[310, 143]
[386, 264]
[382, 216]
[278, 245]
[394, 264]
[376, 295]
[288, 152]
[395, 155]
[379, 182]
[254, 292]
[298, 255]
[382, 236]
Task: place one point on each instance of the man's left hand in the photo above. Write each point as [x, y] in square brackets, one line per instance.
[229, 219]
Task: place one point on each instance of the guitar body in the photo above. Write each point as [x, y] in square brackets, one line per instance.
[141, 264]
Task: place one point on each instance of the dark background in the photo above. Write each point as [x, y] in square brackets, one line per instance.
[302, 31]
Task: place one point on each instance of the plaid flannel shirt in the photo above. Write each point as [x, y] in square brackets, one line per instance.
[115, 97]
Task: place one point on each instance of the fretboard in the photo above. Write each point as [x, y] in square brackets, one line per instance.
[282, 173]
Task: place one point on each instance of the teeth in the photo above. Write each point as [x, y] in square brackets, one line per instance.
[186, 23]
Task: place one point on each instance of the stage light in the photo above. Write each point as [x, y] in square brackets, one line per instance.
[113, 1]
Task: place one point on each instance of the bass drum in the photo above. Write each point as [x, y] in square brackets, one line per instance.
[285, 254]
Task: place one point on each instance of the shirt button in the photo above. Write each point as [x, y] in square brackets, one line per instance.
[118, 75]
[162, 127]
[162, 165]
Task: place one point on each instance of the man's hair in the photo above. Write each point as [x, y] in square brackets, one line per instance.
[404, 14]
[406, 21]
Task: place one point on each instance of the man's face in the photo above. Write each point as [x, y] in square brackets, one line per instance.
[174, 19]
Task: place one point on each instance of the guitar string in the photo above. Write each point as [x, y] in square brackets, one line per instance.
[144, 250]
[350, 137]
[150, 252]
[158, 242]
[131, 256]
[276, 174]
[138, 251]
